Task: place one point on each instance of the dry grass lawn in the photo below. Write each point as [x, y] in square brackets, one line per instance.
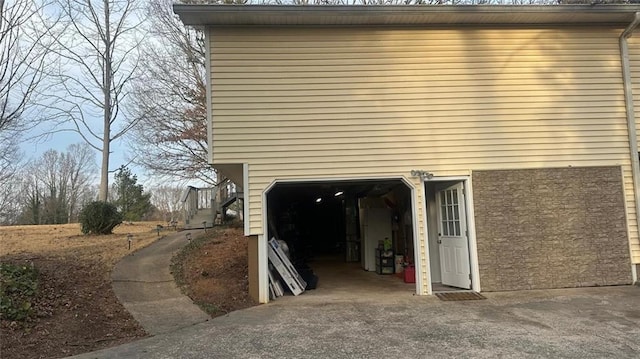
[67, 240]
[76, 310]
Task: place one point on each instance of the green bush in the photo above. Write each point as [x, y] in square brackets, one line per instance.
[18, 287]
[99, 218]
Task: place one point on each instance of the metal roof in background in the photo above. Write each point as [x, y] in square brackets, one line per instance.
[408, 15]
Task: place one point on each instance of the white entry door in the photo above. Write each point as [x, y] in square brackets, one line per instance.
[452, 237]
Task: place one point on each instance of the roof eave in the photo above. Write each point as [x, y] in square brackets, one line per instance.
[288, 15]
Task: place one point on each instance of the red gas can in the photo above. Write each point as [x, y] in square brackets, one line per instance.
[410, 274]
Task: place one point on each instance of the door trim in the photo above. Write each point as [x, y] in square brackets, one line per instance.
[471, 227]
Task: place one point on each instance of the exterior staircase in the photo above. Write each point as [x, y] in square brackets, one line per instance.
[228, 194]
[205, 207]
[199, 205]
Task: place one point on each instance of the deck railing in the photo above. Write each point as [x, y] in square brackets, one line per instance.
[227, 190]
[198, 199]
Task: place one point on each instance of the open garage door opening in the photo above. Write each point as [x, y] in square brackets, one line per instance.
[354, 236]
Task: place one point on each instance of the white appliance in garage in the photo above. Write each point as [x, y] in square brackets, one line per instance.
[375, 226]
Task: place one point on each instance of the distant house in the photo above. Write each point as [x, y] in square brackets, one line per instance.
[495, 147]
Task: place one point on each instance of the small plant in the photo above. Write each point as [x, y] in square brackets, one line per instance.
[209, 308]
[18, 288]
[99, 218]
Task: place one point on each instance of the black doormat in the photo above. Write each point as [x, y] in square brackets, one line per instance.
[455, 296]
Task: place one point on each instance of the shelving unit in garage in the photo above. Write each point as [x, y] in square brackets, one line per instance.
[385, 261]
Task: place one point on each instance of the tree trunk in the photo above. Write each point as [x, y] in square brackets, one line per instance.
[106, 89]
[104, 170]
[1, 12]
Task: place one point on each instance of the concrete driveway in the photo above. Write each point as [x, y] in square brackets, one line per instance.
[575, 323]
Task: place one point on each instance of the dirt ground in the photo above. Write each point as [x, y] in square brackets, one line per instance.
[213, 271]
[76, 309]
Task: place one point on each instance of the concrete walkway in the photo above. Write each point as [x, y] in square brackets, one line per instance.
[145, 286]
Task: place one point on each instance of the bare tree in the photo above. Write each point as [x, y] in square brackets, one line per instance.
[22, 55]
[99, 55]
[169, 100]
[166, 199]
[10, 162]
[31, 197]
[24, 45]
[10, 197]
[77, 168]
[55, 184]
[24, 36]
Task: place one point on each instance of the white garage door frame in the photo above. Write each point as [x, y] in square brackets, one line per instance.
[263, 279]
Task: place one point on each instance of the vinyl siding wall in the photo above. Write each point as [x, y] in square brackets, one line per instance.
[335, 103]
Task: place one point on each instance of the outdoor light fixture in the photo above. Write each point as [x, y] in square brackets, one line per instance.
[129, 239]
[339, 193]
[318, 200]
[422, 174]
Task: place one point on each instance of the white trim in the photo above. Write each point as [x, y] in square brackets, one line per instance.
[447, 178]
[626, 221]
[471, 227]
[245, 203]
[473, 244]
[336, 179]
[208, 84]
[425, 224]
[631, 122]
[263, 270]
[263, 248]
[417, 257]
[634, 273]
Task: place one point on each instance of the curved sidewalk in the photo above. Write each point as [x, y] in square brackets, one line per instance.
[145, 286]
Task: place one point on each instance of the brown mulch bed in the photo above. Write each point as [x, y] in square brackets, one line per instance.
[213, 271]
[76, 312]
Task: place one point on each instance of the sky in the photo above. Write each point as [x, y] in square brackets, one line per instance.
[78, 69]
[121, 154]
[34, 144]
[33, 149]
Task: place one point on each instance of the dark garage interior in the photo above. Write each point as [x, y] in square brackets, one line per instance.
[352, 235]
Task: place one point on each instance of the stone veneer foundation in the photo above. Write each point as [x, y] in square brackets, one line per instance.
[551, 228]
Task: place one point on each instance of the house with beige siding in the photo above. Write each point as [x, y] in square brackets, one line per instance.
[484, 148]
